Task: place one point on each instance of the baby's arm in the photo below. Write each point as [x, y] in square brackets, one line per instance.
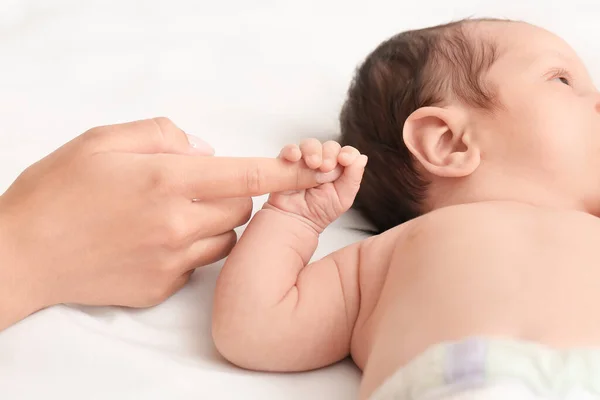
[274, 312]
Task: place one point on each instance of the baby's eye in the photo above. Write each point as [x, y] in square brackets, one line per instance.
[563, 80]
[562, 75]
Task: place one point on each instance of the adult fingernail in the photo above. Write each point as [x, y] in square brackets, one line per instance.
[200, 145]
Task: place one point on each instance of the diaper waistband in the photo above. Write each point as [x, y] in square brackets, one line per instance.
[479, 361]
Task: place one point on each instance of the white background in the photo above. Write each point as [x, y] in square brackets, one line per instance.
[248, 76]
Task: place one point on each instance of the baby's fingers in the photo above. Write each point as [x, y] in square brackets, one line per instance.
[291, 152]
[331, 150]
[347, 155]
[348, 184]
[312, 152]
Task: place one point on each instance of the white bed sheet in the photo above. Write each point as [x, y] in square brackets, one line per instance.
[249, 76]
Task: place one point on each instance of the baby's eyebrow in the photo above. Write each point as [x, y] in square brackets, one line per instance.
[547, 59]
[556, 59]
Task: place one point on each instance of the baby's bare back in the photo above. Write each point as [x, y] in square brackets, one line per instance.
[494, 269]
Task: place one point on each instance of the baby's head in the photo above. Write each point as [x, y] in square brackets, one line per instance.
[476, 110]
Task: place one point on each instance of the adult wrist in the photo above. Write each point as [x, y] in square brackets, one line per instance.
[21, 293]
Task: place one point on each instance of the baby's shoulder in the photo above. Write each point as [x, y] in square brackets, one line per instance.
[461, 221]
[436, 234]
[471, 222]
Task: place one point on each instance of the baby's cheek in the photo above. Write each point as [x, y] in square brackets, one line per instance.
[565, 146]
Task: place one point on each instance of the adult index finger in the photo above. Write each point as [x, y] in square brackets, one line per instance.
[221, 177]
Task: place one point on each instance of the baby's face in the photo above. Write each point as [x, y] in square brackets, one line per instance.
[548, 128]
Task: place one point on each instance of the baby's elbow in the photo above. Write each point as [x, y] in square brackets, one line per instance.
[236, 341]
[226, 336]
[254, 344]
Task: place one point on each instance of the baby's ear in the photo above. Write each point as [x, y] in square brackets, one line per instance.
[439, 138]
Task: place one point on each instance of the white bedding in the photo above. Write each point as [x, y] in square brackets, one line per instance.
[249, 76]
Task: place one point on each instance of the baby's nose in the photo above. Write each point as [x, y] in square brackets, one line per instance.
[597, 101]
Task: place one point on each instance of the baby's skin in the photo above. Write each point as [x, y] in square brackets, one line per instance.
[512, 251]
[490, 268]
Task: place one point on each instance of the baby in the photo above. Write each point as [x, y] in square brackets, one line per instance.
[483, 180]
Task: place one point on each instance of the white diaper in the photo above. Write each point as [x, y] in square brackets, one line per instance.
[495, 369]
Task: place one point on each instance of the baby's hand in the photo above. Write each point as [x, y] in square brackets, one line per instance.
[342, 170]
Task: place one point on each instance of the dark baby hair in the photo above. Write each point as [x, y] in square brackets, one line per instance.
[410, 70]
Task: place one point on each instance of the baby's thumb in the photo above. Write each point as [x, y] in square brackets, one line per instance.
[331, 176]
[348, 184]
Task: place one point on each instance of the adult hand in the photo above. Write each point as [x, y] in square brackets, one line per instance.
[123, 214]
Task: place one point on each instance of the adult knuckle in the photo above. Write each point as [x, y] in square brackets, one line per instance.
[95, 131]
[93, 136]
[153, 291]
[159, 131]
[169, 262]
[159, 180]
[242, 210]
[246, 209]
[140, 301]
[230, 239]
[155, 179]
[164, 237]
[160, 125]
[175, 232]
[164, 125]
[158, 293]
[254, 179]
[164, 122]
[224, 245]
